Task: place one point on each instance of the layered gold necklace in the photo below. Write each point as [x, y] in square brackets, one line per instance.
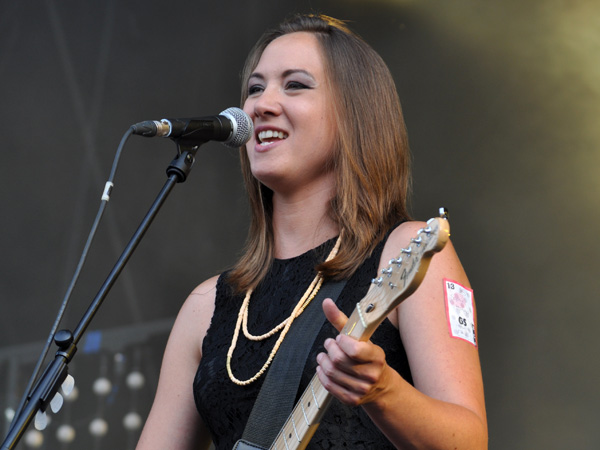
[242, 322]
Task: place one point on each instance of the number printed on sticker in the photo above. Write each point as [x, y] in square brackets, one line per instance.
[460, 311]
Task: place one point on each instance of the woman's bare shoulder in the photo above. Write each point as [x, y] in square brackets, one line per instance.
[196, 313]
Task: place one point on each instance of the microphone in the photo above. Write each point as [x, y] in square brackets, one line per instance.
[233, 127]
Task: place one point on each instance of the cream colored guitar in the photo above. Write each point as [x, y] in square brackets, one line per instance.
[395, 283]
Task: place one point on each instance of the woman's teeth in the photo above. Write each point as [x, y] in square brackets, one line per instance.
[270, 134]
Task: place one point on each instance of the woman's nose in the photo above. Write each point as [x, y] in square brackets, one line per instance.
[268, 102]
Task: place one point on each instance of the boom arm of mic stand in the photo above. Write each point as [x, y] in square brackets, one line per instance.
[56, 371]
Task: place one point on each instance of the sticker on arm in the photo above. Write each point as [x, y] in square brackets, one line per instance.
[460, 311]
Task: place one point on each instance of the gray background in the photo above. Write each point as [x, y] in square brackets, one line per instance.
[501, 100]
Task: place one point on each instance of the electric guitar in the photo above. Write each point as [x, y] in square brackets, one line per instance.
[395, 283]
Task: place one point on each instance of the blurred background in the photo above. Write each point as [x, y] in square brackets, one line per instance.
[501, 100]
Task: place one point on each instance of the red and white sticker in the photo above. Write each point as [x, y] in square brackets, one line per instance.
[460, 311]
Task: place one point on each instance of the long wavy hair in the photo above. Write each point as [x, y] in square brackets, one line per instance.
[371, 158]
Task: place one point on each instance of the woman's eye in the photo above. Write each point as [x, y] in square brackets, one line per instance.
[294, 85]
[254, 89]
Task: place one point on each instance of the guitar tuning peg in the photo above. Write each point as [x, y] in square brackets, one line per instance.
[426, 230]
[389, 271]
[377, 281]
[397, 261]
[56, 403]
[68, 385]
[444, 214]
[41, 421]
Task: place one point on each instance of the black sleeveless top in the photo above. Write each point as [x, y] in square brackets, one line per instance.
[225, 406]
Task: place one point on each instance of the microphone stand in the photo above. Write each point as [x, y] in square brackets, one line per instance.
[57, 370]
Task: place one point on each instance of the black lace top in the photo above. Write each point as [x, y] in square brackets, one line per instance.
[225, 406]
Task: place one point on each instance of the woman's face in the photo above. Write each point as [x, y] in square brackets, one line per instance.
[290, 104]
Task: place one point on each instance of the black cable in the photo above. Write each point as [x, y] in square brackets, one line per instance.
[104, 202]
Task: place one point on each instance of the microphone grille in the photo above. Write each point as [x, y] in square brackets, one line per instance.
[243, 128]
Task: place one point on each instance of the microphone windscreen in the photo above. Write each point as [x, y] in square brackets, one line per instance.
[243, 128]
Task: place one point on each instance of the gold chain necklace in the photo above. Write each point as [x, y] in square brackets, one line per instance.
[242, 322]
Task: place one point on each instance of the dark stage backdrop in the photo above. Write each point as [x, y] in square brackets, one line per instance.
[501, 99]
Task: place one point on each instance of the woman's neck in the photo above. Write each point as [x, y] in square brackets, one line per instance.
[302, 222]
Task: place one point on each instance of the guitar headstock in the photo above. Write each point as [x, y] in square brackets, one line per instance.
[404, 273]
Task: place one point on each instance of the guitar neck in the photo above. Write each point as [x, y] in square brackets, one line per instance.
[304, 419]
[306, 416]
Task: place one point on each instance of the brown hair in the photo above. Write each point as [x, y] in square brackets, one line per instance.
[371, 159]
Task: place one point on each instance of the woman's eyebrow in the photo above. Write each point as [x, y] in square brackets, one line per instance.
[286, 73]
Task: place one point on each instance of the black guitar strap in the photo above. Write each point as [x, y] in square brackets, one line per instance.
[278, 393]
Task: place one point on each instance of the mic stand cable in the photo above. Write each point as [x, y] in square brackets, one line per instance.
[82, 259]
[39, 397]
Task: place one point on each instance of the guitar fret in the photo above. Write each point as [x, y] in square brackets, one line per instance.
[304, 414]
[285, 442]
[294, 426]
[313, 394]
